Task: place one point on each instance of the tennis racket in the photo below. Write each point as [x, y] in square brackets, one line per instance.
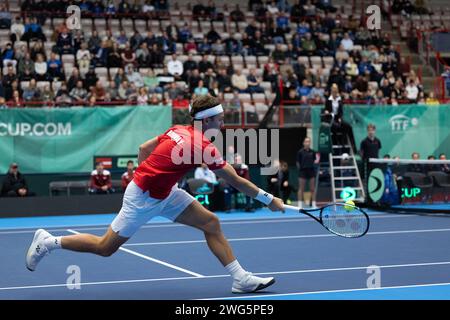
[342, 219]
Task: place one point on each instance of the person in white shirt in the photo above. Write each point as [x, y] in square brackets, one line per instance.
[175, 67]
[83, 59]
[17, 29]
[204, 173]
[412, 92]
[347, 42]
[40, 67]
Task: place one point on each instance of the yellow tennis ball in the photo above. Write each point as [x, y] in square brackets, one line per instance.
[349, 205]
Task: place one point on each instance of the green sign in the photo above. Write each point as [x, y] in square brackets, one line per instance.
[348, 194]
[50, 140]
[410, 192]
[402, 129]
[203, 199]
[376, 184]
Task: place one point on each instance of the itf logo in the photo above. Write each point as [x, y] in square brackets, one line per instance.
[402, 123]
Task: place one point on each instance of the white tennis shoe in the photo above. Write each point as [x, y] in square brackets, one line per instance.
[37, 249]
[250, 283]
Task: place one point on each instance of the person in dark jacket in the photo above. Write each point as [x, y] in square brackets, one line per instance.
[333, 113]
[14, 184]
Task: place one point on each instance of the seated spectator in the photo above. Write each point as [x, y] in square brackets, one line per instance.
[79, 93]
[16, 101]
[218, 48]
[317, 90]
[122, 39]
[254, 82]
[54, 67]
[83, 57]
[304, 90]
[415, 167]
[224, 81]
[8, 56]
[347, 42]
[64, 42]
[17, 30]
[142, 98]
[100, 182]
[128, 175]
[47, 94]
[26, 65]
[134, 76]
[94, 42]
[431, 99]
[152, 82]
[32, 92]
[175, 66]
[143, 55]
[157, 57]
[204, 47]
[14, 183]
[351, 68]
[63, 97]
[239, 81]
[444, 167]
[309, 45]
[111, 92]
[412, 92]
[204, 173]
[128, 56]
[205, 64]
[33, 31]
[200, 90]
[98, 90]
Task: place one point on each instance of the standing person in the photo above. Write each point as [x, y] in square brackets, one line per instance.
[369, 148]
[14, 183]
[306, 159]
[154, 192]
[243, 172]
[128, 175]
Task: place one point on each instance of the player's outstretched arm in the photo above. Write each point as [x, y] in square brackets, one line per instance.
[248, 188]
[146, 149]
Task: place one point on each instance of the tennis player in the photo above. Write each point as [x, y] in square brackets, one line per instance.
[153, 191]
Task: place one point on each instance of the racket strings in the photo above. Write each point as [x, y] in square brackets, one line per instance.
[344, 220]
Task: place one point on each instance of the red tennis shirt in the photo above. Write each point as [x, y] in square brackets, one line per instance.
[179, 149]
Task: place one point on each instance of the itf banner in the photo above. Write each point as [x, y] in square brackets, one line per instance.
[66, 140]
[402, 129]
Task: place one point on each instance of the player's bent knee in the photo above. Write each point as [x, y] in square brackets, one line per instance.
[106, 251]
[213, 225]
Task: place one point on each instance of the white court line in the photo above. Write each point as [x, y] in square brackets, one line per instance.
[322, 235]
[169, 265]
[171, 225]
[226, 275]
[328, 291]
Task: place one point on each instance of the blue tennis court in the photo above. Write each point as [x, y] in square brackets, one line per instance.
[171, 261]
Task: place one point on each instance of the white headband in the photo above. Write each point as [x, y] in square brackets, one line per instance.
[211, 112]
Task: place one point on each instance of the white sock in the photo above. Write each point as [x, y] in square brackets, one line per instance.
[235, 269]
[52, 243]
[300, 204]
[314, 204]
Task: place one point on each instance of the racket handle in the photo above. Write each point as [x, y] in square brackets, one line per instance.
[291, 208]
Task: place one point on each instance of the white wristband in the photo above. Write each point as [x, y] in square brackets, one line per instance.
[264, 197]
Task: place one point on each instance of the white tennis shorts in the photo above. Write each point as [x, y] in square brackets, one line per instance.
[138, 208]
